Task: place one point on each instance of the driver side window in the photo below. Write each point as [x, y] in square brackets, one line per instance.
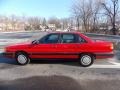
[51, 38]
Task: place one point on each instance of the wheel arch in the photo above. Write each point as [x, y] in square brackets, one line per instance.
[88, 53]
[21, 52]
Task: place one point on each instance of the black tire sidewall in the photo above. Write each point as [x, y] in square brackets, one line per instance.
[80, 61]
[28, 59]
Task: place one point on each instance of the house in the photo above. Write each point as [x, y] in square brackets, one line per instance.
[52, 26]
[9, 26]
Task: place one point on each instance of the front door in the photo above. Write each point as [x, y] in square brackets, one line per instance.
[47, 47]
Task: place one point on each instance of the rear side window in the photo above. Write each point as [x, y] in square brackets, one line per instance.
[68, 38]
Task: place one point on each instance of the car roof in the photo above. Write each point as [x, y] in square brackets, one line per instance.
[78, 33]
[64, 32]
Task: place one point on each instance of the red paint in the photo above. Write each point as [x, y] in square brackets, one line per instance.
[64, 50]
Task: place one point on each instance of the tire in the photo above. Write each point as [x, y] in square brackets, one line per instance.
[22, 59]
[86, 60]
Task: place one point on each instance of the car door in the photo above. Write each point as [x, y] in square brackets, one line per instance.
[72, 45]
[47, 47]
[69, 45]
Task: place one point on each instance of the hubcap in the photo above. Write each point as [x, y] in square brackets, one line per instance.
[86, 60]
[22, 59]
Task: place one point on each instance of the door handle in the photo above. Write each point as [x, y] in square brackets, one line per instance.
[54, 46]
[65, 46]
[75, 46]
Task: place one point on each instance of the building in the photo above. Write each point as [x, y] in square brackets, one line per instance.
[52, 26]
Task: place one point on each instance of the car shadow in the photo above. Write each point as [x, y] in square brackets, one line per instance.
[7, 63]
[117, 55]
[63, 62]
[6, 60]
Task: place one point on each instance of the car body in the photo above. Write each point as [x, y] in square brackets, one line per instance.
[61, 45]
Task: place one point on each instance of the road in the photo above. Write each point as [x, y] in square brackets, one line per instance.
[38, 75]
[57, 75]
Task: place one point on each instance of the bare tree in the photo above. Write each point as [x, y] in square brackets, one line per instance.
[55, 21]
[34, 23]
[112, 11]
[44, 22]
[96, 6]
[85, 11]
[13, 21]
[4, 22]
[64, 22]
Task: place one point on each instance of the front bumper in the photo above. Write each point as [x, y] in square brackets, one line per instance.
[8, 54]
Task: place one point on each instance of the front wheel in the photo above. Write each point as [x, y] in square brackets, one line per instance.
[86, 60]
[22, 59]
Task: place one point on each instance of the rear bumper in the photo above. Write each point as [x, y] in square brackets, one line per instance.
[104, 55]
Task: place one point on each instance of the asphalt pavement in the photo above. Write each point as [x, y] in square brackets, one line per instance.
[58, 83]
[58, 75]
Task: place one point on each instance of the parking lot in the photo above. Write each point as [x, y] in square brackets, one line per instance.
[60, 75]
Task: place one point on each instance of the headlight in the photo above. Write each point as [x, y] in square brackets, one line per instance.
[2, 51]
[111, 46]
[6, 49]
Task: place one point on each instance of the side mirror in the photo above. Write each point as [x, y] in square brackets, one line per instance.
[35, 42]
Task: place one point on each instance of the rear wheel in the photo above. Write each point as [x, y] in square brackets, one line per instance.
[86, 60]
[22, 58]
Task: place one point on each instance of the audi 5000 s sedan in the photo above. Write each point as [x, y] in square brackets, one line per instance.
[61, 45]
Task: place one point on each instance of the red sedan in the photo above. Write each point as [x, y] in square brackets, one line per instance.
[62, 45]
